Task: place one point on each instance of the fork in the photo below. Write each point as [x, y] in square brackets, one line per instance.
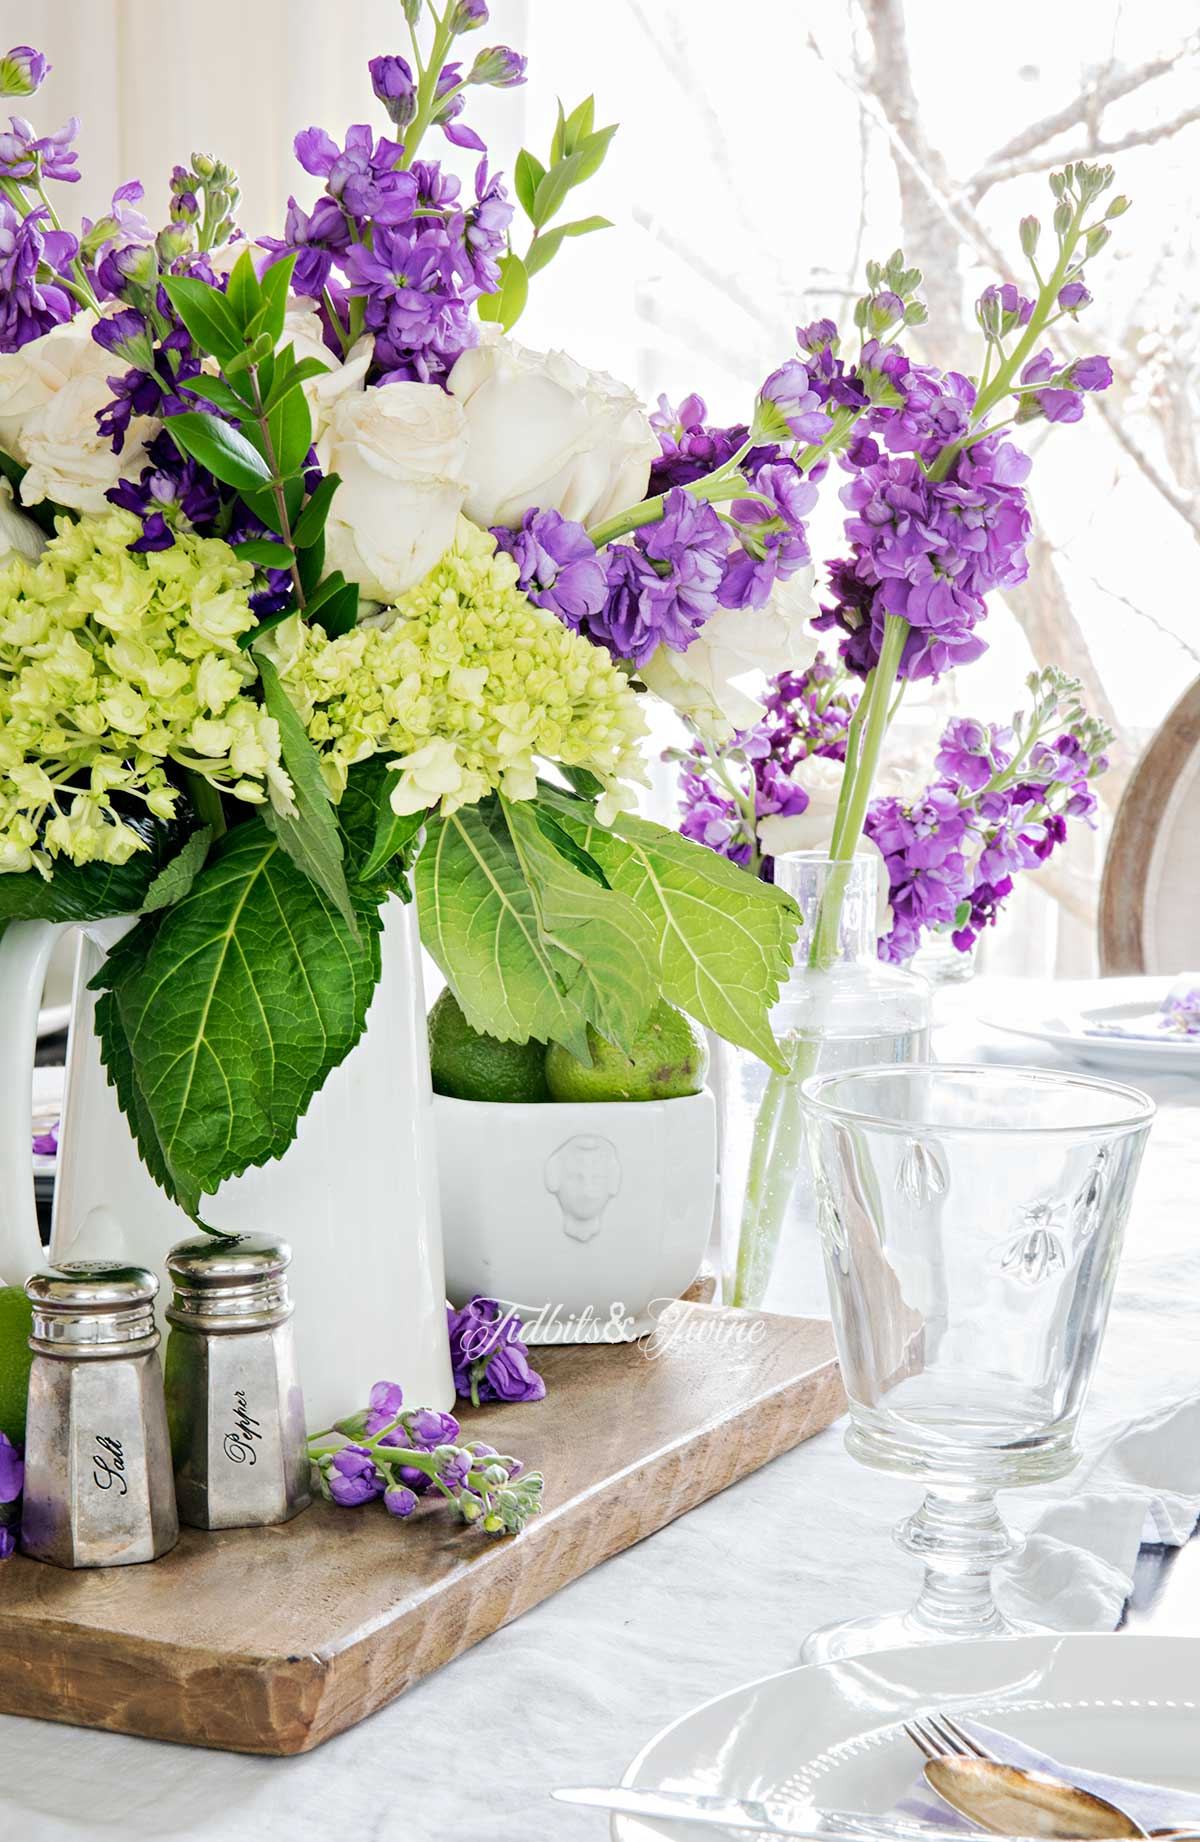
[939, 1737]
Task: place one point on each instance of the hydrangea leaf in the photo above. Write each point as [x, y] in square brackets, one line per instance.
[723, 939]
[609, 939]
[479, 922]
[310, 836]
[228, 1010]
[176, 878]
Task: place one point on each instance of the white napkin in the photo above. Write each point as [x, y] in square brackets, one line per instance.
[1076, 1570]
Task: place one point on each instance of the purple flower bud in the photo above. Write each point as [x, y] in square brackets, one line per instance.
[1040, 368]
[500, 66]
[1073, 297]
[1093, 373]
[12, 1470]
[22, 71]
[466, 15]
[816, 335]
[386, 1400]
[352, 1477]
[392, 82]
[399, 1500]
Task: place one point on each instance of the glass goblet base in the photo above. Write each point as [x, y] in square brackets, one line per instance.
[895, 1631]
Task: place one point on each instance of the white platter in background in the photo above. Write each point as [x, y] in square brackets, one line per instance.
[1070, 1019]
[831, 1735]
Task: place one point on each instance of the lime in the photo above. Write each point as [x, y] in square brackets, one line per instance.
[16, 1319]
[471, 1066]
[669, 1060]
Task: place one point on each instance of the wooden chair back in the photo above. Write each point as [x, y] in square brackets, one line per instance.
[1150, 892]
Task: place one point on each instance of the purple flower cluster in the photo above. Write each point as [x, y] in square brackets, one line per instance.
[928, 551]
[557, 565]
[1180, 1012]
[28, 157]
[998, 808]
[33, 257]
[401, 242]
[918, 410]
[489, 1360]
[721, 785]
[12, 1482]
[403, 1454]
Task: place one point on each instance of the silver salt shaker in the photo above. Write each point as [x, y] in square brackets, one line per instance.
[234, 1403]
[98, 1485]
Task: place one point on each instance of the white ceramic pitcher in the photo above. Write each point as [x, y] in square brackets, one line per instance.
[356, 1193]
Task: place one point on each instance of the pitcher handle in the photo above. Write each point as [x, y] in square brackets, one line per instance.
[25, 949]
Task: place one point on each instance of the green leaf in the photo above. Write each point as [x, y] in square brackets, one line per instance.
[526, 174]
[221, 448]
[228, 1011]
[394, 832]
[724, 939]
[91, 891]
[546, 246]
[213, 390]
[609, 939]
[336, 611]
[579, 124]
[568, 172]
[556, 141]
[309, 565]
[262, 503]
[275, 284]
[265, 551]
[508, 302]
[176, 878]
[566, 846]
[289, 421]
[291, 375]
[311, 838]
[311, 522]
[590, 152]
[363, 814]
[242, 290]
[479, 922]
[207, 315]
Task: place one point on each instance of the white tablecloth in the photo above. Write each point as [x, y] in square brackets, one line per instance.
[570, 1692]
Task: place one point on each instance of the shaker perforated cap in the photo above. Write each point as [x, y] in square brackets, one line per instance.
[229, 1282]
[98, 1307]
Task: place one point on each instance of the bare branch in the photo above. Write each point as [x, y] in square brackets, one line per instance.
[1109, 87]
[711, 272]
[1096, 149]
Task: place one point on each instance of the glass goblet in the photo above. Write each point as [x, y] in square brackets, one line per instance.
[971, 1220]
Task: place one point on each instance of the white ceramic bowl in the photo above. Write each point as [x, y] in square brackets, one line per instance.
[577, 1216]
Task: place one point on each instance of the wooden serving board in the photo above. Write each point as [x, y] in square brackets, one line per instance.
[272, 1640]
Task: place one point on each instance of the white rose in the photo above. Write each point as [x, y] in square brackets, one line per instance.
[302, 330]
[69, 461]
[546, 432]
[400, 451]
[713, 682]
[19, 536]
[31, 376]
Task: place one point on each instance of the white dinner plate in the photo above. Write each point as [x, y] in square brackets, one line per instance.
[831, 1734]
[1079, 1008]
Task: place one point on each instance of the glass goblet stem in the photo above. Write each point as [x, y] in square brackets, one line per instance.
[958, 1534]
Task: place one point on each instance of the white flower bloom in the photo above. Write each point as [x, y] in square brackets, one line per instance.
[714, 681]
[400, 452]
[32, 375]
[19, 536]
[545, 432]
[302, 330]
[68, 459]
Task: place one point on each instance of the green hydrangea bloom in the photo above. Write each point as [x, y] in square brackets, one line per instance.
[111, 664]
[466, 683]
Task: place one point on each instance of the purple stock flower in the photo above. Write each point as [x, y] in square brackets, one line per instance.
[353, 1478]
[499, 66]
[557, 565]
[970, 753]
[171, 489]
[12, 1470]
[662, 586]
[466, 15]
[689, 446]
[383, 1406]
[27, 156]
[1094, 373]
[399, 1500]
[22, 71]
[392, 82]
[45, 1144]
[450, 100]
[788, 391]
[489, 1360]
[1073, 296]
[30, 306]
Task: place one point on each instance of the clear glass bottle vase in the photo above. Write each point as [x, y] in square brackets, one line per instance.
[841, 1008]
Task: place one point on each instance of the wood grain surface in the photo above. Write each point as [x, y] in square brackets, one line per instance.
[272, 1640]
[1148, 893]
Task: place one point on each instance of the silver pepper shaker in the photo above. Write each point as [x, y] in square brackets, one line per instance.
[98, 1486]
[234, 1403]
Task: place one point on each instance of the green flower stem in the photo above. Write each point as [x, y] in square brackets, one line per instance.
[427, 96]
[207, 802]
[776, 1149]
[285, 526]
[723, 482]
